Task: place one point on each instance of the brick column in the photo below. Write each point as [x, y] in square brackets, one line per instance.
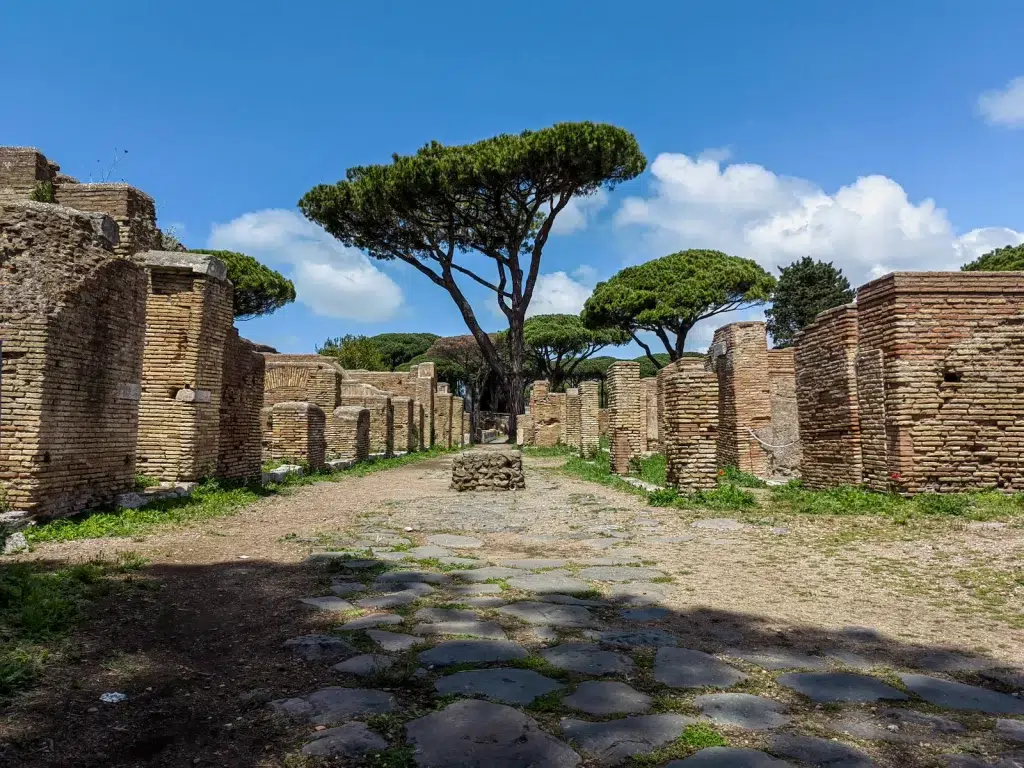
[572, 418]
[404, 429]
[426, 382]
[295, 432]
[689, 424]
[625, 412]
[740, 357]
[590, 407]
[348, 433]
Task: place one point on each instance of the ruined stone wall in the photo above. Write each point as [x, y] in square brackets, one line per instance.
[785, 455]
[310, 378]
[426, 383]
[827, 408]
[381, 414]
[573, 417]
[442, 416]
[404, 430]
[603, 421]
[590, 417]
[627, 413]
[21, 168]
[651, 442]
[241, 400]
[294, 432]
[72, 323]
[348, 433]
[458, 417]
[188, 316]
[740, 358]
[524, 429]
[940, 381]
[689, 424]
[547, 411]
[133, 210]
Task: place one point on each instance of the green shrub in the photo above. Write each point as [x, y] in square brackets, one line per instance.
[663, 497]
[651, 469]
[726, 497]
[734, 476]
[42, 192]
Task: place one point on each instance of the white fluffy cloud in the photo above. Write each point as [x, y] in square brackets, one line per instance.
[867, 228]
[558, 293]
[332, 280]
[1004, 106]
[579, 212]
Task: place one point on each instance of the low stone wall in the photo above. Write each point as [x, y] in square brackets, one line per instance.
[381, 413]
[294, 432]
[348, 433]
[488, 471]
[241, 401]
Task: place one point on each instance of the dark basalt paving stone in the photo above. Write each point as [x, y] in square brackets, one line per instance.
[364, 664]
[944, 693]
[444, 614]
[487, 573]
[476, 589]
[634, 638]
[533, 564]
[550, 614]
[587, 659]
[330, 603]
[427, 577]
[373, 620]
[570, 600]
[455, 542]
[949, 661]
[484, 629]
[510, 686]
[483, 602]
[644, 614]
[342, 588]
[637, 594]
[621, 574]
[896, 725]
[742, 710]
[686, 668]
[325, 648]
[781, 658]
[428, 552]
[970, 761]
[1012, 730]
[392, 557]
[419, 587]
[840, 686]
[598, 697]
[390, 600]
[613, 742]
[729, 757]
[479, 734]
[333, 706]
[472, 652]
[819, 752]
[465, 562]
[358, 565]
[392, 641]
[548, 583]
[351, 740]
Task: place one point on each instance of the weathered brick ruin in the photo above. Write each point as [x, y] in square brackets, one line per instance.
[919, 386]
[458, 421]
[241, 398]
[546, 426]
[418, 384]
[348, 433]
[690, 423]
[649, 425]
[382, 417]
[590, 427]
[573, 417]
[295, 433]
[626, 414]
[443, 416]
[303, 378]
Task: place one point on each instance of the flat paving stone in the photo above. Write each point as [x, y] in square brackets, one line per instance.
[476, 589]
[427, 577]
[949, 661]
[533, 564]
[419, 587]
[545, 635]
[329, 603]
[619, 559]
[480, 734]
[781, 658]
[334, 706]
[358, 565]
[824, 687]
[548, 583]
[742, 710]
[819, 752]
[634, 638]
[365, 664]
[342, 588]
[485, 629]
[486, 573]
[509, 686]
[970, 761]
[890, 724]
[320, 647]
[351, 740]
[621, 574]
[669, 539]
[392, 641]
[729, 757]
[607, 697]
[636, 594]
[573, 616]
[944, 693]
[587, 659]
[391, 600]
[455, 542]
[472, 652]
[600, 543]
[1012, 730]
[429, 551]
[344, 559]
[373, 620]
[444, 614]
[483, 602]
[718, 524]
[686, 668]
[613, 742]
[644, 614]
[570, 600]
[393, 557]
[466, 562]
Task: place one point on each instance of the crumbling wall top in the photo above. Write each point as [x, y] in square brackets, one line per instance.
[198, 263]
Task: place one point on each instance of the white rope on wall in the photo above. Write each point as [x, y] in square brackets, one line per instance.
[753, 434]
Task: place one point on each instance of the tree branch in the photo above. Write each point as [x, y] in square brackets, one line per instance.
[479, 279]
[647, 351]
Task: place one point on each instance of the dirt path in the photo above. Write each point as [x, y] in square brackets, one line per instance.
[200, 652]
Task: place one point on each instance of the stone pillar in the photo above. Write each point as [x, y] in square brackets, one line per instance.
[295, 432]
[442, 416]
[426, 381]
[590, 428]
[650, 399]
[188, 317]
[382, 427]
[689, 424]
[524, 429]
[573, 415]
[404, 428]
[348, 433]
[241, 400]
[626, 409]
[739, 355]
[458, 413]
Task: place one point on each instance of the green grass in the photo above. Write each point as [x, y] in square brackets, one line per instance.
[734, 476]
[211, 499]
[39, 607]
[650, 469]
[694, 738]
[598, 470]
[554, 450]
[142, 482]
[724, 497]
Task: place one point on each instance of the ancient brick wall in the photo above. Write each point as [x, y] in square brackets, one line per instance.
[524, 429]
[740, 358]
[310, 378]
[649, 423]
[458, 417]
[942, 353]
[21, 169]
[627, 413]
[72, 323]
[827, 408]
[241, 400]
[378, 402]
[188, 316]
[133, 210]
[294, 432]
[785, 455]
[573, 417]
[590, 428]
[403, 429]
[689, 424]
[603, 421]
[426, 383]
[442, 416]
[547, 412]
[348, 433]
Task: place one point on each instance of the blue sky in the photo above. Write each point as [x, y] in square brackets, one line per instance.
[880, 135]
